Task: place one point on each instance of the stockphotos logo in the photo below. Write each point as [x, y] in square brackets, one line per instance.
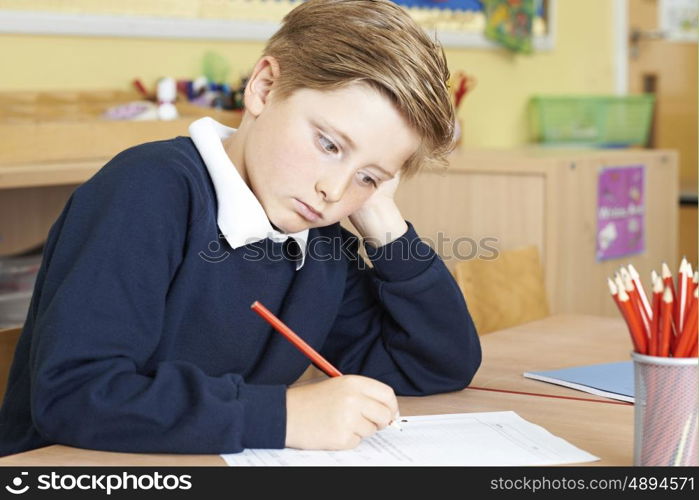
[107, 483]
[16, 487]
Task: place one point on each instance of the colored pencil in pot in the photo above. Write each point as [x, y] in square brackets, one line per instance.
[681, 302]
[666, 316]
[634, 323]
[668, 282]
[655, 320]
[635, 299]
[688, 337]
[636, 279]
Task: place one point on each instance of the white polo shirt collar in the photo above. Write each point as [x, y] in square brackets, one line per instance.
[241, 218]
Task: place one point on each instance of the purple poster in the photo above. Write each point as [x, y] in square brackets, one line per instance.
[620, 212]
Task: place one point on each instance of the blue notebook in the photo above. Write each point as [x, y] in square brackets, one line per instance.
[611, 380]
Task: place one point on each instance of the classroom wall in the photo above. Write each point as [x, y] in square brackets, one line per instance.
[494, 115]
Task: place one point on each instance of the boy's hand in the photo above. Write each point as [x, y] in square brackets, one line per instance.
[378, 220]
[337, 413]
[385, 192]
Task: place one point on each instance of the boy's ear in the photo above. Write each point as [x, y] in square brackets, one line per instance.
[260, 84]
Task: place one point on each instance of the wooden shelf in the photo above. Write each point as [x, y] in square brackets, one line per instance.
[70, 127]
[48, 174]
[54, 141]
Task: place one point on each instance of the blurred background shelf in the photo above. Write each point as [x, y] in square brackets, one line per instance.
[54, 138]
[54, 141]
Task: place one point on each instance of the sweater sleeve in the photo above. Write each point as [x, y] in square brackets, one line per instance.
[405, 322]
[115, 249]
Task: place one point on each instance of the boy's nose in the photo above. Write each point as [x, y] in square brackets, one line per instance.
[332, 187]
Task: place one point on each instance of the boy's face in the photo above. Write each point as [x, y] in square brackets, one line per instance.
[317, 156]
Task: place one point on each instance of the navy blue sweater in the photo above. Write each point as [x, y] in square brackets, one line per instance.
[140, 336]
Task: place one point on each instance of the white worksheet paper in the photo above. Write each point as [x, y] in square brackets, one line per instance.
[485, 439]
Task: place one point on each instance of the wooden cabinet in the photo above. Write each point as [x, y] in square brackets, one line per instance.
[487, 201]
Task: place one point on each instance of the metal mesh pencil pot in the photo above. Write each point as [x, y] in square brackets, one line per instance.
[665, 412]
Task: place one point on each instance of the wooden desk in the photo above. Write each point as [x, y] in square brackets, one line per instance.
[605, 430]
[556, 342]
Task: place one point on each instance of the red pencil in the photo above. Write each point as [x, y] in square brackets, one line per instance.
[693, 350]
[297, 341]
[633, 321]
[619, 288]
[667, 281]
[635, 300]
[666, 313]
[636, 278]
[618, 282]
[614, 292]
[688, 348]
[688, 337]
[306, 349]
[681, 303]
[655, 321]
[689, 288]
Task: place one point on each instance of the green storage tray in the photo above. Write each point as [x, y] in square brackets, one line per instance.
[600, 121]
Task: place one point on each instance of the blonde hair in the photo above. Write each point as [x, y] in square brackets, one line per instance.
[326, 44]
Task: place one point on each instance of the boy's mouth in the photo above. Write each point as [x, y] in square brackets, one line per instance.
[307, 212]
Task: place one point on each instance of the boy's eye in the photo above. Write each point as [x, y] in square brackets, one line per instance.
[367, 180]
[327, 145]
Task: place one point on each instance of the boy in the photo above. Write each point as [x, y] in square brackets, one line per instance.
[140, 336]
